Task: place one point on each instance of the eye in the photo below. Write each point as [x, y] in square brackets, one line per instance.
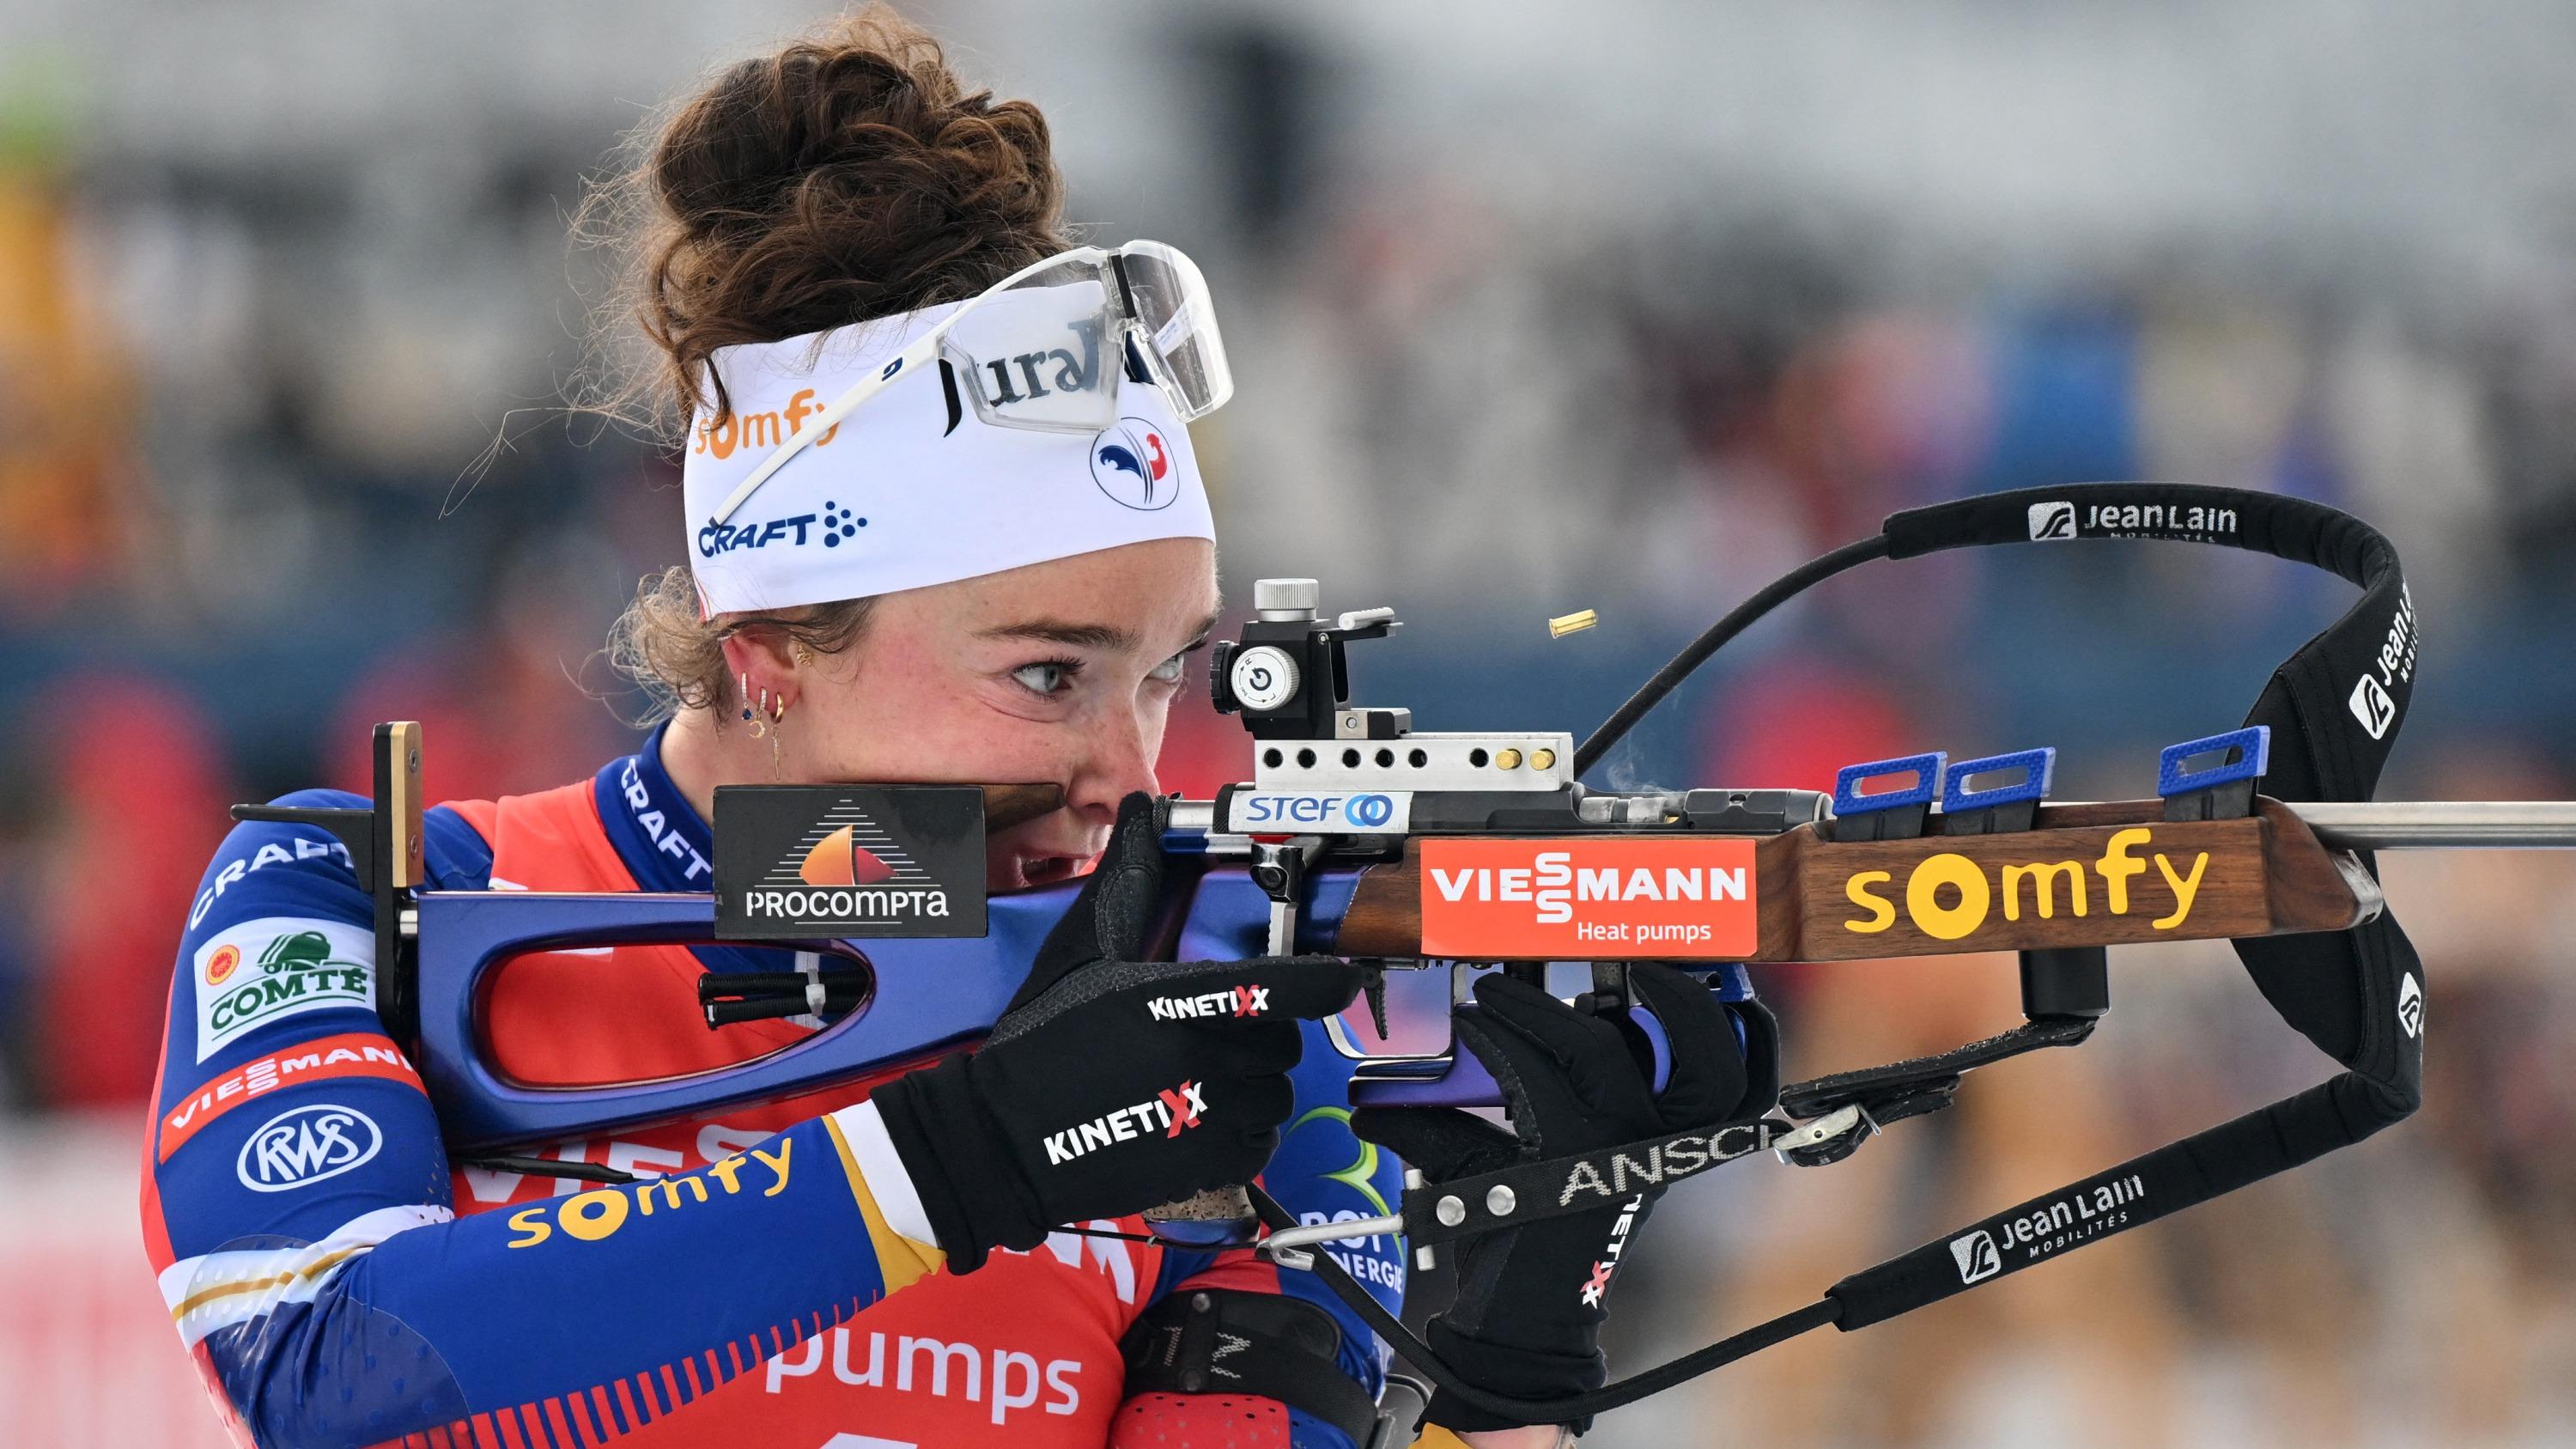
[1049, 677]
[1171, 669]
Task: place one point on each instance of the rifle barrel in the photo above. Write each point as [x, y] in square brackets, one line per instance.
[2415, 824]
[2362, 825]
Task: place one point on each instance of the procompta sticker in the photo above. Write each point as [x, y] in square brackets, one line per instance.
[1577, 899]
[806, 861]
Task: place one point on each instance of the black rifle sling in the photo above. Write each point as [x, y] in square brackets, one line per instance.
[2334, 709]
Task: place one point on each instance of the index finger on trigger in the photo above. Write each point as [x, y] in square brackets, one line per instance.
[1708, 1068]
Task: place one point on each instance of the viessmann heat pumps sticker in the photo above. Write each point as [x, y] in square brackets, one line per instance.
[1572, 899]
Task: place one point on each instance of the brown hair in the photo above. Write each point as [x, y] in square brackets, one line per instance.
[846, 176]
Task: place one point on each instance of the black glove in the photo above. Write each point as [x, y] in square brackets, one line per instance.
[1110, 1085]
[1531, 1300]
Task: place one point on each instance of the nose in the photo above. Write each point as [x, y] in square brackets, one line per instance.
[1119, 748]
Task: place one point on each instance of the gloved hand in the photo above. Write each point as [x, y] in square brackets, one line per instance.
[1532, 1299]
[1110, 1085]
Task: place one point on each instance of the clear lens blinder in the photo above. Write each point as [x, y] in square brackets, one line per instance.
[1050, 349]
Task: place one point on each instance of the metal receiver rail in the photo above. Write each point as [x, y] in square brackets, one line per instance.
[2414, 824]
[2361, 825]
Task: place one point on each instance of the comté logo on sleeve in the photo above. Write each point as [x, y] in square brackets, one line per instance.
[263, 971]
[1570, 897]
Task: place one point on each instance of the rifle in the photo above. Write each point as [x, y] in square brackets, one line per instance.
[1360, 836]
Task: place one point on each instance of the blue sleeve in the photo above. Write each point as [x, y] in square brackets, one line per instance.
[298, 1204]
[1323, 1174]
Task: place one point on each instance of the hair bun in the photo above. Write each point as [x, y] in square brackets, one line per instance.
[849, 175]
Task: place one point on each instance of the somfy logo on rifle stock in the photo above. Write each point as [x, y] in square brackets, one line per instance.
[1948, 896]
[805, 861]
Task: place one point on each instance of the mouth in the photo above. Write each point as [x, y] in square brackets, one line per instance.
[1042, 852]
[1039, 870]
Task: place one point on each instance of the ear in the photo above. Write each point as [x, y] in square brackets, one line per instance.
[765, 659]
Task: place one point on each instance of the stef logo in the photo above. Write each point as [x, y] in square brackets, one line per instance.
[1369, 810]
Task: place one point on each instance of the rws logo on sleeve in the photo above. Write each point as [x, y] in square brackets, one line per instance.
[802, 861]
[303, 1145]
[276, 967]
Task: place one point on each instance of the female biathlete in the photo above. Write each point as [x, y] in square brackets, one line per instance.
[991, 565]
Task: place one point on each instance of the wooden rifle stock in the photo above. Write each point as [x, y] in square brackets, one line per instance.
[2082, 876]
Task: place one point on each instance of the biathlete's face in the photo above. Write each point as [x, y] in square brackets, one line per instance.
[1061, 672]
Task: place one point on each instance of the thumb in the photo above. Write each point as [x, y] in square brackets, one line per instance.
[1108, 920]
[1708, 1072]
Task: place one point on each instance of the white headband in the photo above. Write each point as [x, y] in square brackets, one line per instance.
[906, 493]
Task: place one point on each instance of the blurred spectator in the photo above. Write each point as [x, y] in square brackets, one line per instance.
[67, 412]
[138, 807]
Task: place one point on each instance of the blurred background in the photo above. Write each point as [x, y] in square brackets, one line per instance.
[1626, 306]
